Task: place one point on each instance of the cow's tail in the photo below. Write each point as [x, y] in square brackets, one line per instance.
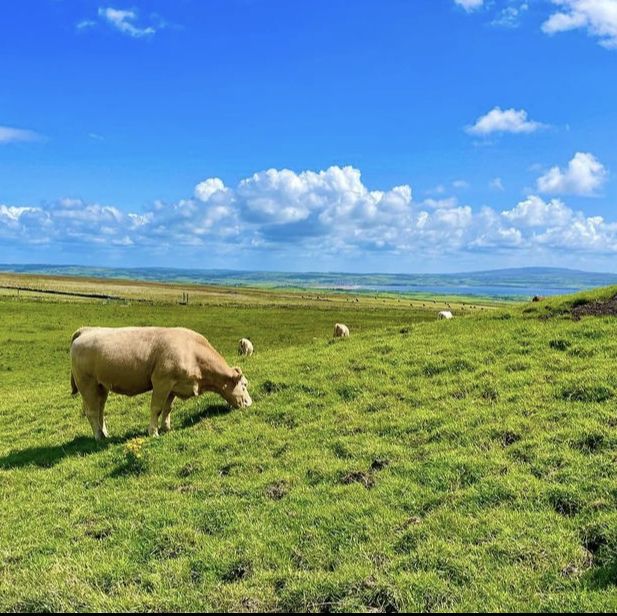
[78, 333]
[74, 388]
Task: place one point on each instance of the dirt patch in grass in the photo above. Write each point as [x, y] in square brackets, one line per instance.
[598, 308]
[379, 464]
[278, 490]
[236, 571]
[366, 479]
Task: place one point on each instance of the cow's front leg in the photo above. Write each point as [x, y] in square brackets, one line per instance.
[157, 405]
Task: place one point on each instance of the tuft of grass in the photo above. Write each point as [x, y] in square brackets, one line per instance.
[559, 344]
[585, 392]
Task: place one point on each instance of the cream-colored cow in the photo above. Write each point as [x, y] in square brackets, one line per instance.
[445, 314]
[170, 362]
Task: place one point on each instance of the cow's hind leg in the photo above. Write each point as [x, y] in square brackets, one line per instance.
[166, 414]
[157, 406]
[91, 397]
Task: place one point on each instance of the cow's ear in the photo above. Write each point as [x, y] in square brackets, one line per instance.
[237, 374]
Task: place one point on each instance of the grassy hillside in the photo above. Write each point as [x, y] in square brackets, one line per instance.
[37, 286]
[419, 465]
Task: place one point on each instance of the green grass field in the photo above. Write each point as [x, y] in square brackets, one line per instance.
[419, 465]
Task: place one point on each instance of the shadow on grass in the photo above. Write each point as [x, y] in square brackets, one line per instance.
[601, 577]
[214, 410]
[48, 456]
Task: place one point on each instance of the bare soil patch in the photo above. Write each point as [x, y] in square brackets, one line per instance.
[598, 308]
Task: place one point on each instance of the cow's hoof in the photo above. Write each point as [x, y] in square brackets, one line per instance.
[153, 433]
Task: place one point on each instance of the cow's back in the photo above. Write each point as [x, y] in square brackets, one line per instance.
[124, 359]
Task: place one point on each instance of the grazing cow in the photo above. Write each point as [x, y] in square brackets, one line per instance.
[245, 347]
[341, 331]
[170, 362]
[445, 314]
[537, 298]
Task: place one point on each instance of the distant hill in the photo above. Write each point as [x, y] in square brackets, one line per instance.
[515, 282]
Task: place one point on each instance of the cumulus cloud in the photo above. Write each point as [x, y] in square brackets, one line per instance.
[584, 175]
[597, 17]
[470, 5]
[328, 212]
[206, 189]
[14, 135]
[534, 212]
[503, 121]
[121, 20]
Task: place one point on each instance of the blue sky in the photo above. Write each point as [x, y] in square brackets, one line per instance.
[398, 136]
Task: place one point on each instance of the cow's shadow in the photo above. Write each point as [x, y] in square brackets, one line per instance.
[48, 456]
[187, 420]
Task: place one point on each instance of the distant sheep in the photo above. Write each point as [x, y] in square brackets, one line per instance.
[341, 331]
[445, 314]
[245, 347]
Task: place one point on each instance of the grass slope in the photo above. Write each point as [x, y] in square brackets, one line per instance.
[463, 465]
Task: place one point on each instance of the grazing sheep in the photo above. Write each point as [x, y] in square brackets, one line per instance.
[445, 314]
[341, 331]
[245, 347]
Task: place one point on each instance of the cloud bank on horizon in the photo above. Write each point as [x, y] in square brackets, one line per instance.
[331, 211]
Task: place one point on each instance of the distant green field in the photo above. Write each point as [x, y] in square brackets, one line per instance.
[420, 465]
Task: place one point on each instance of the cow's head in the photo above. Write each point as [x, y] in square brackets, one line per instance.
[235, 390]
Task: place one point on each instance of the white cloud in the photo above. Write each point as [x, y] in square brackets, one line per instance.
[440, 189]
[123, 21]
[510, 16]
[496, 184]
[597, 17]
[14, 135]
[470, 5]
[206, 189]
[534, 212]
[86, 24]
[584, 175]
[503, 121]
[329, 212]
[440, 204]
[460, 184]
